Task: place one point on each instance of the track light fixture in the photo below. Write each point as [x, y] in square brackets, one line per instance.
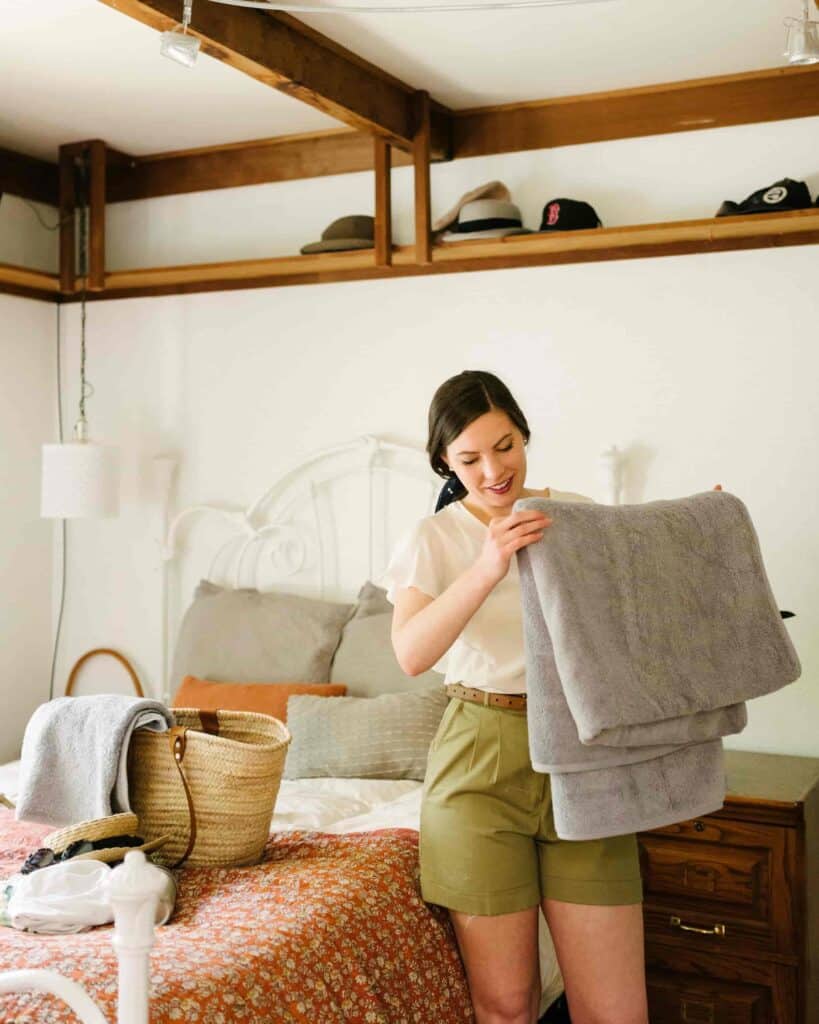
[802, 41]
[180, 46]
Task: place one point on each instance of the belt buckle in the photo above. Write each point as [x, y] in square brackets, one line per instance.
[486, 696]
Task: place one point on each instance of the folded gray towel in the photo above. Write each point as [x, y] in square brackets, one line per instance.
[73, 764]
[646, 628]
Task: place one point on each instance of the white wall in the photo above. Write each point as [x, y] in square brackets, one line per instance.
[28, 234]
[27, 418]
[701, 367]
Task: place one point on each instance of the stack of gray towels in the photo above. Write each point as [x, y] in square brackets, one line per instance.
[646, 629]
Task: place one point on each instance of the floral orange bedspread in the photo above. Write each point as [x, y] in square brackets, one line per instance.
[326, 929]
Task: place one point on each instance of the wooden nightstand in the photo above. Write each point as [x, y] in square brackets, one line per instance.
[732, 901]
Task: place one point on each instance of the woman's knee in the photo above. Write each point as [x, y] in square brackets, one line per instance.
[500, 1004]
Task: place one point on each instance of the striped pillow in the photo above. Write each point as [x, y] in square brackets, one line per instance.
[384, 737]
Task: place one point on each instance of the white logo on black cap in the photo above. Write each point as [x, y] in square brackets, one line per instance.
[775, 195]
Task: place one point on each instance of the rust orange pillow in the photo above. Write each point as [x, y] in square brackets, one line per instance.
[263, 698]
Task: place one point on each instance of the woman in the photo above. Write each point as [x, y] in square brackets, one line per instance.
[488, 848]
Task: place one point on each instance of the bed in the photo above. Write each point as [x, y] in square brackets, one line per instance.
[330, 926]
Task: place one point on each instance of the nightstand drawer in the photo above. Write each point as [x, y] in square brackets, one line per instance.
[719, 884]
[675, 998]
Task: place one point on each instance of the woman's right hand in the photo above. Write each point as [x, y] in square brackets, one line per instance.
[507, 535]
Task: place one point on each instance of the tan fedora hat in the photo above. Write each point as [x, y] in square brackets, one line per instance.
[491, 190]
[353, 232]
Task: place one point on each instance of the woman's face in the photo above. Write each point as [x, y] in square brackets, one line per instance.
[489, 459]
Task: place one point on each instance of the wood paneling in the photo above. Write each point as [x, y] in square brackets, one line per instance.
[770, 95]
[283, 53]
[28, 178]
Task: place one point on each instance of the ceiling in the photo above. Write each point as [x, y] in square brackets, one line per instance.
[77, 69]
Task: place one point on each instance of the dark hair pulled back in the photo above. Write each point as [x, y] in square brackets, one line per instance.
[458, 402]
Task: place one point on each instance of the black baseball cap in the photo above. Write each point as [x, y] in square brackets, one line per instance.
[782, 196]
[568, 215]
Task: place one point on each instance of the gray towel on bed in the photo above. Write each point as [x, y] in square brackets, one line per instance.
[73, 764]
[646, 628]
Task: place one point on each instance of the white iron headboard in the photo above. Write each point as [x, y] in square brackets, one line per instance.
[321, 530]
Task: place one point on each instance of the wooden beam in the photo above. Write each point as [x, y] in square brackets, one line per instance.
[256, 162]
[546, 249]
[774, 94]
[281, 52]
[756, 96]
[31, 284]
[28, 178]
[68, 225]
[383, 203]
[423, 198]
[96, 209]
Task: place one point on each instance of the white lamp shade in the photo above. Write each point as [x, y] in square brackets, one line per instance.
[80, 481]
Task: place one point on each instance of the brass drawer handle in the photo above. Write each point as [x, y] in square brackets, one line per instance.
[718, 929]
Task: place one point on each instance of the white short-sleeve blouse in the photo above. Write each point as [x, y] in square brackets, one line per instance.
[488, 654]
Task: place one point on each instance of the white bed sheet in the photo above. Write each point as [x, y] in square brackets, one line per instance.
[340, 806]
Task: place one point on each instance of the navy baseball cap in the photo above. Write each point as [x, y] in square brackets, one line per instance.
[568, 215]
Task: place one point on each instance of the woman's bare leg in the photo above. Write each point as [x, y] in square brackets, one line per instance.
[501, 960]
[602, 959]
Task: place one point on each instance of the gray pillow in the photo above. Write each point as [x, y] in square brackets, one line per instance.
[249, 636]
[365, 661]
[384, 737]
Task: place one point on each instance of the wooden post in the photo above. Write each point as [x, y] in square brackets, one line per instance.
[68, 207]
[383, 203]
[421, 159]
[96, 215]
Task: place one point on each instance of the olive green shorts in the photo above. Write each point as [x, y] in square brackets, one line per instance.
[488, 843]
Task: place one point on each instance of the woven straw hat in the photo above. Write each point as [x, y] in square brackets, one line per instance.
[125, 824]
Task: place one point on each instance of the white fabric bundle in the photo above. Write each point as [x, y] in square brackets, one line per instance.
[62, 898]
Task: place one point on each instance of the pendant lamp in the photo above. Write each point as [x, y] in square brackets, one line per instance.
[80, 478]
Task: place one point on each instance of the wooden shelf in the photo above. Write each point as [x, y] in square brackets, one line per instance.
[634, 242]
[33, 284]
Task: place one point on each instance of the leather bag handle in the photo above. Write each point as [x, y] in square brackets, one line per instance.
[178, 739]
[129, 668]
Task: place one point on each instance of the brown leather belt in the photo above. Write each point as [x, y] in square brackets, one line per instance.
[511, 701]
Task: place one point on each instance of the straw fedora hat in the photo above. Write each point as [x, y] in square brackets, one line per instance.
[125, 824]
[487, 218]
[354, 232]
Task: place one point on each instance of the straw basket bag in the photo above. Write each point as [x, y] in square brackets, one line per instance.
[210, 783]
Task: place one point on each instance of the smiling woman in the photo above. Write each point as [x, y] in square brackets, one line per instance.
[489, 850]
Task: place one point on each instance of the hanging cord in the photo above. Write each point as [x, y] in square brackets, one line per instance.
[63, 534]
[86, 390]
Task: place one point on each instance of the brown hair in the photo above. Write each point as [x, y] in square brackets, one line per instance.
[459, 401]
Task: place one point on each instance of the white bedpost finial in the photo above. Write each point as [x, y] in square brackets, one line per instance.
[134, 889]
[611, 467]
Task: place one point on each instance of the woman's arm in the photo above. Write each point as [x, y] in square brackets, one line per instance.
[424, 628]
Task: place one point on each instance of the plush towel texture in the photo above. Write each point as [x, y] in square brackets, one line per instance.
[646, 628]
[73, 764]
